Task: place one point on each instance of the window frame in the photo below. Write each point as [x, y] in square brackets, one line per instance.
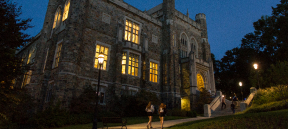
[102, 89]
[132, 90]
[49, 93]
[46, 57]
[55, 54]
[57, 23]
[26, 78]
[127, 62]
[158, 66]
[108, 56]
[195, 44]
[65, 16]
[139, 32]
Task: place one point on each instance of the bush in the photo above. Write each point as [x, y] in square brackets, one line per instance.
[191, 113]
[273, 106]
[181, 113]
[269, 95]
[204, 98]
[131, 106]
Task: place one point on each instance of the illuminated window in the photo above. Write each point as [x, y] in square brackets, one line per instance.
[29, 57]
[57, 18]
[27, 77]
[131, 32]
[58, 53]
[153, 72]
[133, 64]
[104, 50]
[124, 59]
[66, 10]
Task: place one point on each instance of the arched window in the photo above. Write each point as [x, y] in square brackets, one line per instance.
[184, 51]
[184, 39]
[57, 18]
[66, 10]
[194, 46]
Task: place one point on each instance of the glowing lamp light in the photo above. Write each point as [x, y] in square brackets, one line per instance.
[255, 66]
[101, 58]
[240, 83]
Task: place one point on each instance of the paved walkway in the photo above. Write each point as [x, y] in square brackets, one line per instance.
[157, 125]
[226, 111]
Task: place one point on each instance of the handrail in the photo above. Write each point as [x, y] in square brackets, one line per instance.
[214, 102]
[213, 105]
[246, 103]
[249, 99]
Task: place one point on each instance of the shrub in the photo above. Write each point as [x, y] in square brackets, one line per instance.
[181, 113]
[191, 113]
[269, 95]
[204, 98]
[130, 106]
[273, 106]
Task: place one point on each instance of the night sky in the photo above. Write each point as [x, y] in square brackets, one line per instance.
[227, 20]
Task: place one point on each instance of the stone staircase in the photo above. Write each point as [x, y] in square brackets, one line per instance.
[226, 111]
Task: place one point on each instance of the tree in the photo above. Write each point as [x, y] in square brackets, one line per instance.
[267, 45]
[11, 38]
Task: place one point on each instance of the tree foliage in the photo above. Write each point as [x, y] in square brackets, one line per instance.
[11, 38]
[267, 45]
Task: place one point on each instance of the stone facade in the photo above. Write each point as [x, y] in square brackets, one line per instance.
[177, 44]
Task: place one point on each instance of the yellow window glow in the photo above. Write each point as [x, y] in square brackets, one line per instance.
[131, 32]
[153, 72]
[58, 53]
[66, 10]
[105, 51]
[124, 62]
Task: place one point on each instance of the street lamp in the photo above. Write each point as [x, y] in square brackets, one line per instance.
[240, 84]
[100, 62]
[256, 67]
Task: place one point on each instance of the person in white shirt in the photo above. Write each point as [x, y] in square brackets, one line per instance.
[149, 109]
[162, 111]
[223, 102]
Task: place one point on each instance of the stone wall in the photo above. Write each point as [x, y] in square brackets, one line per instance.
[102, 22]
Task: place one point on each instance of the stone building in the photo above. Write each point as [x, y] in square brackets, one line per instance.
[160, 50]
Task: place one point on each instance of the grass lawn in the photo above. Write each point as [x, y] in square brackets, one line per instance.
[263, 120]
[130, 121]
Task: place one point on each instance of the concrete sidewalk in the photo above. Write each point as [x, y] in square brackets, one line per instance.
[157, 125]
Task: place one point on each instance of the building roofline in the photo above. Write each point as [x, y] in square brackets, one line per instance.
[28, 44]
[136, 11]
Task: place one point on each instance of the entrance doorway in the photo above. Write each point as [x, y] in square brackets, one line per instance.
[200, 82]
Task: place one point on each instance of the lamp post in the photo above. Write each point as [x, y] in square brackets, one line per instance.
[256, 67]
[240, 84]
[100, 62]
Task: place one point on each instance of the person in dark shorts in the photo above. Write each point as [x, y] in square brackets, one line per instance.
[223, 102]
[162, 112]
[149, 109]
[233, 107]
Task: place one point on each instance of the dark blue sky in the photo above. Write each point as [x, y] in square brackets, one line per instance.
[227, 20]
